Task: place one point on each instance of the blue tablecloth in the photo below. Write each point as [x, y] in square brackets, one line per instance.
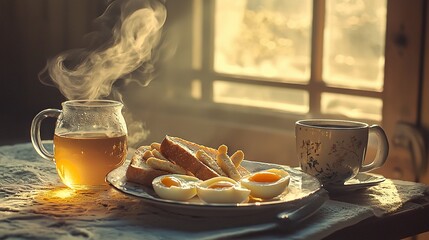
[35, 205]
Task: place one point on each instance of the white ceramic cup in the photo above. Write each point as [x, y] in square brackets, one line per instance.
[334, 150]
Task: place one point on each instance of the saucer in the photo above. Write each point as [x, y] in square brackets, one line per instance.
[362, 180]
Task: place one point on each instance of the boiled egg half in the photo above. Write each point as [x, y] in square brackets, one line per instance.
[222, 190]
[266, 184]
[175, 187]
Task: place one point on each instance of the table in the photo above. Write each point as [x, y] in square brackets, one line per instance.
[34, 205]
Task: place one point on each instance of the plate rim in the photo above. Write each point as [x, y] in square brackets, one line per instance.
[195, 205]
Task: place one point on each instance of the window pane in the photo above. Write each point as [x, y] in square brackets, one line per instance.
[196, 89]
[289, 100]
[266, 38]
[352, 106]
[354, 43]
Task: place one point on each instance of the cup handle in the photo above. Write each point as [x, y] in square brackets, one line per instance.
[382, 149]
[35, 132]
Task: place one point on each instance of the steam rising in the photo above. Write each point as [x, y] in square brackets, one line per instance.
[127, 53]
[123, 48]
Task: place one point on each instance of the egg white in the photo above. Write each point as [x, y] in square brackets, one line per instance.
[185, 191]
[233, 194]
[267, 190]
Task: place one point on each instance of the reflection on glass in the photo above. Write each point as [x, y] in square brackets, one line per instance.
[352, 106]
[266, 38]
[288, 100]
[354, 43]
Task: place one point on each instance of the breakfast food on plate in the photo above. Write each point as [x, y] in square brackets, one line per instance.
[266, 184]
[209, 161]
[155, 145]
[226, 164]
[177, 169]
[237, 157]
[139, 171]
[183, 153]
[157, 154]
[175, 186]
[222, 190]
[176, 156]
[165, 165]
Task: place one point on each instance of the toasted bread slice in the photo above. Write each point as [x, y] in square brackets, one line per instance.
[213, 153]
[140, 172]
[182, 152]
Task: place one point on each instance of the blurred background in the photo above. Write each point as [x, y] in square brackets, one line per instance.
[241, 72]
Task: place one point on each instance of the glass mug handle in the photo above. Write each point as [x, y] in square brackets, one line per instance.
[35, 132]
[382, 149]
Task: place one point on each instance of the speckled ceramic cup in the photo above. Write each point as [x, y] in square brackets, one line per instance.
[334, 150]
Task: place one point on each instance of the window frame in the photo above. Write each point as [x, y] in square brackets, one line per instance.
[203, 51]
[402, 82]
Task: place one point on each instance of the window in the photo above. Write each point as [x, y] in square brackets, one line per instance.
[320, 58]
[353, 59]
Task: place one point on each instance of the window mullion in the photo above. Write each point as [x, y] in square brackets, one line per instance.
[316, 56]
[207, 51]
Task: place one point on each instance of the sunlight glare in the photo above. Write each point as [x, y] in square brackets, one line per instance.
[62, 193]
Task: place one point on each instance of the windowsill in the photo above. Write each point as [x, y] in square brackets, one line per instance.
[213, 125]
[264, 135]
[244, 117]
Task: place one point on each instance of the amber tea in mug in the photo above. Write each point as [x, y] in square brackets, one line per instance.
[90, 140]
[85, 158]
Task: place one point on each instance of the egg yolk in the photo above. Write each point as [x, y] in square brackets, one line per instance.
[266, 177]
[221, 184]
[170, 181]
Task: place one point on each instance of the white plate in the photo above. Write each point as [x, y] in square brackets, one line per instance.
[362, 180]
[302, 187]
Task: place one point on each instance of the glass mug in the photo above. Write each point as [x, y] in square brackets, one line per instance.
[90, 140]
